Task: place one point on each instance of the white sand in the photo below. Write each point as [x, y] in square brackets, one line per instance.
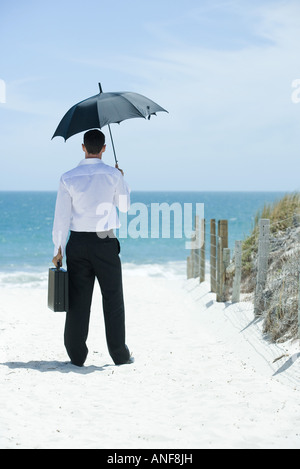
[203, 377]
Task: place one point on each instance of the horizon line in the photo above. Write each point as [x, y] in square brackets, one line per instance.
[170, 190]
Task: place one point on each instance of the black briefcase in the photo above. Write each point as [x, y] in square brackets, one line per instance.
[58, 289]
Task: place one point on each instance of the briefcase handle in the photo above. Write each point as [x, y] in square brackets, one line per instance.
[58, 265]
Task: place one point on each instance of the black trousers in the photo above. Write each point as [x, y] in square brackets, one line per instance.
[90, 256]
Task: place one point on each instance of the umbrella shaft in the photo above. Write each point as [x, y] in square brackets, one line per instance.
[113, 145]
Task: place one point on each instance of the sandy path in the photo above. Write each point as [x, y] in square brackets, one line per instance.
[202, 376]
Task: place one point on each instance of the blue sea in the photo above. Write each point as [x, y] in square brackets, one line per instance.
[26, 219]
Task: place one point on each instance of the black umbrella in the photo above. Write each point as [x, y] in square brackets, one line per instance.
[104, 109]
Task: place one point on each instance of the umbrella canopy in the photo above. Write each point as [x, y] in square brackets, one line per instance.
[105, 109]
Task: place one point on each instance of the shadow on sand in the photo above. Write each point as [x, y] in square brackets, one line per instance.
[287, 364]
[47, 366]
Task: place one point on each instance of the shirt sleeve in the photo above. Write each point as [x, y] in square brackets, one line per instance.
[62, 218]
[122, 195]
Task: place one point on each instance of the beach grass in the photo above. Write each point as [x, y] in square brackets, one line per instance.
[282, 215]
[282, 287]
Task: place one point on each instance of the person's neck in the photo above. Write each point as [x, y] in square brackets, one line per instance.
[88, 155]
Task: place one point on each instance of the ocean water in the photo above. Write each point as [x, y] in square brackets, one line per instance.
[26, 220]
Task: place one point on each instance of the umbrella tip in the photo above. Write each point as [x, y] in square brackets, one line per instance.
[100, 87]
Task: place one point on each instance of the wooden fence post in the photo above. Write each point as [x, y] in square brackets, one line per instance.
[226, 262]
[202, 250]
[299, 309]
[238, 272]
[197, 248]
[213, 256]
[189, 268]
[222, 243]
[223, 232]
[193, 257]
[262, 268]
[219, 270]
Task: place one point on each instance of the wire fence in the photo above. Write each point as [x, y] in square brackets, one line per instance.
[263, 269]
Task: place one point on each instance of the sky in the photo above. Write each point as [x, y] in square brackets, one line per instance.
[228, 72]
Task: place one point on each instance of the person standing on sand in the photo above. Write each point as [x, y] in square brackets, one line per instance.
[87, 199]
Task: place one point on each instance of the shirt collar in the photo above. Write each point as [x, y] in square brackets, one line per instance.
[90, 161]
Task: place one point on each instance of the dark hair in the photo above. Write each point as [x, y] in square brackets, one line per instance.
[94, 140]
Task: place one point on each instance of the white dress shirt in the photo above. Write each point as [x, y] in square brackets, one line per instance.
[87, 199]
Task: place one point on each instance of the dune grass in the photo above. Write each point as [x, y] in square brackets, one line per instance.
[282, 215]
[281, 293]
